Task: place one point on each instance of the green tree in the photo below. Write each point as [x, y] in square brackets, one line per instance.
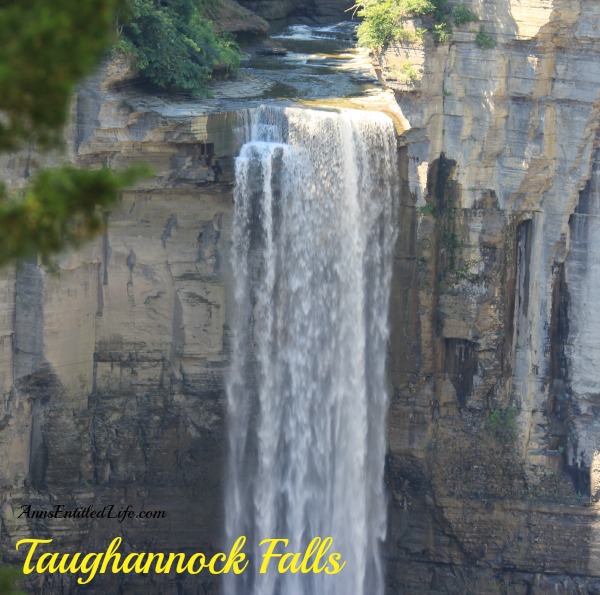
[175, 46]
[8, 579]
[384, 20]
[47, 47]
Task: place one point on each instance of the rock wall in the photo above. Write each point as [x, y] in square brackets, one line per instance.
[492, 429]
[319, 10]
[112, 367]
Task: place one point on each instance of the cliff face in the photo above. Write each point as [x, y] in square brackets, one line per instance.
[112, 368]
[492, 428]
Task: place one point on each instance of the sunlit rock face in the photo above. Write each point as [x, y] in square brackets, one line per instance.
[112, 368]
[497, 407]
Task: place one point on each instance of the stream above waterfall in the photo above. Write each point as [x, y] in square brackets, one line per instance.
[321, 64]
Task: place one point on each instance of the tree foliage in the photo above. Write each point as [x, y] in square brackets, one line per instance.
[175, 46]
[47, 47]
[384, 20]
[9, 576]
[61, 207]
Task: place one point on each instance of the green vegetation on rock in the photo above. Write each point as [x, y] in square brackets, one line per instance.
[9, 577]
[484, 40]
[442, 32]
[461, 15]
[47, 47]
[408, 72]
[384, 21]
[502, 424]
[175, 46]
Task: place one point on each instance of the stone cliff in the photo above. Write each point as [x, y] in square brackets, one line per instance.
[492, 428]
[112, 370]
[112, 367]
[311, 10]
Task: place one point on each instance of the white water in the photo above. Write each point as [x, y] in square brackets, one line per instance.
[344, 30]
[312, 251]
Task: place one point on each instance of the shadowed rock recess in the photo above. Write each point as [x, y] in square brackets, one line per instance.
[112, 371]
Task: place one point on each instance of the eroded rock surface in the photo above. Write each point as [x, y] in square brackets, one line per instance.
[112, 368]
[492, 428]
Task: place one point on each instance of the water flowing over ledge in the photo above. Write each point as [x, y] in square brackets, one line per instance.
[312, 254]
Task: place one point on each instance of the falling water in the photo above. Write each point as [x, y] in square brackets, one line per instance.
[312, 250]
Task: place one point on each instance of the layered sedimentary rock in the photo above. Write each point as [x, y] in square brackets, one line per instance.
[112, 367]
[492, 429]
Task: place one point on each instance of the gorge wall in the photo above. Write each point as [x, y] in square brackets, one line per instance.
[112, 367]
[112, 370]
[492, 428]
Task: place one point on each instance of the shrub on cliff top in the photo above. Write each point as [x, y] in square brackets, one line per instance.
[384, 20]
[175, 46]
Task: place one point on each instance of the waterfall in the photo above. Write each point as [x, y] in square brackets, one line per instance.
[312, 256]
